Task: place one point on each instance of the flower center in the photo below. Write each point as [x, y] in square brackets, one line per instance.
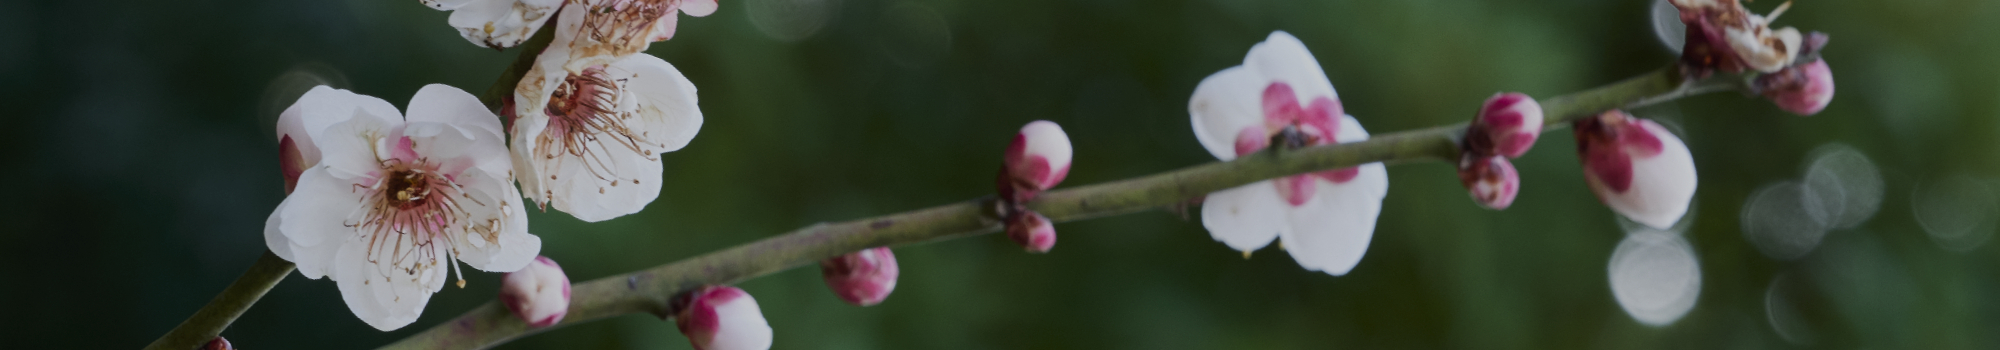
[585, 120]
[625, 24]
[409, 208]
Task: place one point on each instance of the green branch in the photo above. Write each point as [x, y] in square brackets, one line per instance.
[648, 291]
[216, 316]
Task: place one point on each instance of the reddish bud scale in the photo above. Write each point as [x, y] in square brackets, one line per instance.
[1606, 143]
[862, 278]
[1032, 231]
[1491, 180]
[218, 344]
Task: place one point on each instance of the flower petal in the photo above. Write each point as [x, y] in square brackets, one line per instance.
[502, 248]
[669, 110]
[275, 238]
[698, 8]
[501, 23]
[317, 212]
[1224, 104]
[362, 286]
[1283, 58]
[1331, 232]
[580, 192]
[450, 105]
[1245, 218]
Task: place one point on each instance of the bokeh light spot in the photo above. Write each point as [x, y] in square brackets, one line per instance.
[1655, 277]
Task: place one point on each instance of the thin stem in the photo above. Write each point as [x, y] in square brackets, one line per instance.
[216, 316]
[648, 291]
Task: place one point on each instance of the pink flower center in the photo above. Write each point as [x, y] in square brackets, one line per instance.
[412, 204]
[584, 119]
[1315, 124]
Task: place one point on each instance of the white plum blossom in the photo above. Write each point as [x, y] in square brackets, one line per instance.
[393, 200]
[588, 140]
[1325, 218]
[497, 24]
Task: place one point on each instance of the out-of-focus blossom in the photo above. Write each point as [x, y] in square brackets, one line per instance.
[1037, 160]
[1326, 218]
[1804, 90]
[538, 293]
[1637, 167]
[589, 141]
[218, 344]
[1032, 231]
[722, 318]
[497, 24]
[1491, 180]
[861, 278]
[1722, 35]
[1507, 125]
[393, 200]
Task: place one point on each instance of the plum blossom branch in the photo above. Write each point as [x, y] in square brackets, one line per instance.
[651, 290]
[209, 322]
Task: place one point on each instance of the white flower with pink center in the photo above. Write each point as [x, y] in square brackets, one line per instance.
[588, 141]
[1325, 218]
[392, 200]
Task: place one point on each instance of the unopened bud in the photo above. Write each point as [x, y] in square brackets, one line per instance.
[218, 344]
[538, 293]
[1491, 180]
[1037, 160]
[861, 278]
[1032, 230]
[1803, 90]
[1636, 167]
[1507, 125]
[722, 318]
[296, 151]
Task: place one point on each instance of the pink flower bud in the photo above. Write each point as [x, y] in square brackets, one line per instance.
[1491, 180]
[1637, 167]
[722, 318]
[1037, 160]
[861, 278]
[296, 151]
[1507, 125]
[1803, 90]
[1032, 230]
[538, 293]
[218, 344]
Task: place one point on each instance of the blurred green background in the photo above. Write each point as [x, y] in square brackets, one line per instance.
[141, 170]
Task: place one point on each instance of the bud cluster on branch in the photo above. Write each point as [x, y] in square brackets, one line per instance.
[391, 204]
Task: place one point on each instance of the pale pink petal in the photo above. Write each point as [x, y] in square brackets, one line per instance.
[359, 285]
[1225, 104]
[1283, 58]
[698, 8]
[499, 241]
[668, 107]
[1331, 232]
[1245, 218]
[317, 212]
[275, 238]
